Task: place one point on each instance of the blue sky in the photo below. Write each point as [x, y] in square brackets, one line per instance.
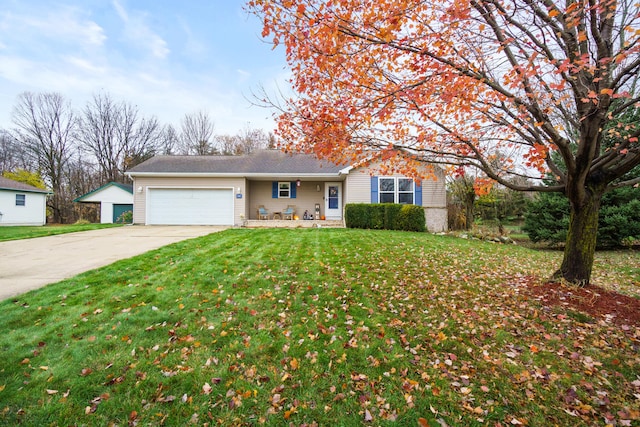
[167, 57]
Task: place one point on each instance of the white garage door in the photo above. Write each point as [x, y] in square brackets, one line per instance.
[190, 206]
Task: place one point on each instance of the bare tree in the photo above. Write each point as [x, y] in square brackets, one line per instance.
[169, 140]
[12, 155]
[116, 136]
[227, 144]
[245, 141]
[252, 139]
[197, 133]
[82, 176]
[46, 126]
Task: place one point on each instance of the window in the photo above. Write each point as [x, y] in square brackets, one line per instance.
[405, 191]
[20, 199]
[387, 190]
[396, 190]
[284, 190]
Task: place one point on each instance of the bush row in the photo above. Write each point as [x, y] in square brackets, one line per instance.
[384, 216]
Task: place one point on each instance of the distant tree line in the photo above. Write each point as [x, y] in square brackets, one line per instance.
[73, 152]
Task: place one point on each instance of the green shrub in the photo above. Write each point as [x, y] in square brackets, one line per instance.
[619, 224]
[391, 213]
[125, 218]
[547, 218]
[357, 216]
[388, 216]
[411, 218]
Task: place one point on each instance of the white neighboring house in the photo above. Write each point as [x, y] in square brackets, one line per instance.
[22, 204]
[114, 198]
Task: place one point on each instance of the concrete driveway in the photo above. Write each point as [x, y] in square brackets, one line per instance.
[31, 263]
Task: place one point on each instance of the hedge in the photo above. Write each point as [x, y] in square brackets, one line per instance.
[384, 216]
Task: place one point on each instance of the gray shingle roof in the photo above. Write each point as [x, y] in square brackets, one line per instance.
[258, 162]
[9, 184]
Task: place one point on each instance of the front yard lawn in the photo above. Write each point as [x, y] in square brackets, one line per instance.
[28, 232]
[319, 327]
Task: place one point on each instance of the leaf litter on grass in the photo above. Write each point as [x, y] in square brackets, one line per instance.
[314, 326]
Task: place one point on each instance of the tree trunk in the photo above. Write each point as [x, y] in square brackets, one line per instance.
[580, 247]
[468, 216]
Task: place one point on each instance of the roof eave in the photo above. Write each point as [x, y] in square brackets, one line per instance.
[22, 190]
[301, 175]
[102, 187]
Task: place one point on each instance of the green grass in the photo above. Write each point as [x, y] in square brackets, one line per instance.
[326, 326]
[28, 232]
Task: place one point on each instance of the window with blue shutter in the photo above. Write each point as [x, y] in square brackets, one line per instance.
[390, 189]
[283, 190]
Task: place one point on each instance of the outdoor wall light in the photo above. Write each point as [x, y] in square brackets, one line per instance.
[238, 190]
[318, 188]
[139, 189]
[298, 183]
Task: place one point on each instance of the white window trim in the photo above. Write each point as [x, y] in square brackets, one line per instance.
[24, 200]
[396, 188]
[288, 184]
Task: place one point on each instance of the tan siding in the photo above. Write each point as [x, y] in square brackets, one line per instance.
[434, 196]
[306, 198]
[140, 198]
[434, 193]
[358, 187]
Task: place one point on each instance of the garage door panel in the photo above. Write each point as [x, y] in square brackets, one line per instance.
[190, 206]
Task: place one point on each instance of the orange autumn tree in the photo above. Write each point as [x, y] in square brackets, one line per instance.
[456, 81]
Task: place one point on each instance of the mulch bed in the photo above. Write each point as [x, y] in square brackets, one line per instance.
[592, 300]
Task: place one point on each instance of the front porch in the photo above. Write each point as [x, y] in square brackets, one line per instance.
[321, 200]
[285, 223]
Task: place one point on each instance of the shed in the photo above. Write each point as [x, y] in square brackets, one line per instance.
[22, 204]
[114, 198]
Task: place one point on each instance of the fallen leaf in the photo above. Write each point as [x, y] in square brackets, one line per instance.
[294, 364]
[367, 416]
[206, 388]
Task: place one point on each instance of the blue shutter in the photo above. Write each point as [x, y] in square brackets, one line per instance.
[274, 190]
[417, 197]
[293, 188]
[374, 189]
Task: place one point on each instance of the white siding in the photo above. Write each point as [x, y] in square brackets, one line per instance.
[32, 213]
[107, 197]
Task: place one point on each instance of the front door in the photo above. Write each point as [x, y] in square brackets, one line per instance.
[333, 200]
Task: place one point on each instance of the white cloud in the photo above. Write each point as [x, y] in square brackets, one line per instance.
[138, 32]
[193, 46]
[63, 25]
[84, 65]
[244, 75]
